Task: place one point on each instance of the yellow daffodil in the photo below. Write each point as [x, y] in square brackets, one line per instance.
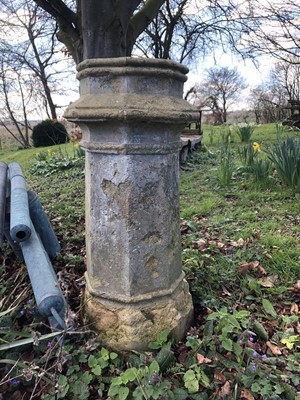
[256, 146]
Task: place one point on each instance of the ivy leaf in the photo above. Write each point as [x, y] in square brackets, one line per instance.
[113, 355]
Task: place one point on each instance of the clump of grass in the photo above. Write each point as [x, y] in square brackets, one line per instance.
[245, 132]
[226, 162]
[285, 155]
[259, 168]
[247, 154]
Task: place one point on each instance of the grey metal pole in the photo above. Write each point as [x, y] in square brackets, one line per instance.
[19, 218]
[42, 225]
[3, 185]
[43, 279]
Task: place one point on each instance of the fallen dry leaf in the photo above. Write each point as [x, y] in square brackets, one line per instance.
[251, 345]
[297, 285]
[225, 292]
[295, 288]
[241, 242]
[253, 265]
[268, 255]
[294, 309]
[200, 244]
[274, 349]
[265, 282]
[246, 395]
[203, 360]
[218, 376]
[257, 234]
[226, 389]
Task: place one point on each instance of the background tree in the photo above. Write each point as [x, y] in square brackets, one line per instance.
[15, 103]
[183, 30]
[275, 29]
[287, 75]
[268, 103]
[32, 46]
[270, 100]
[219, 90]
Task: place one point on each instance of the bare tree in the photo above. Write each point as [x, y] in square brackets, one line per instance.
[16, 92]
[219, 90]
[270, 100]
[267, 104]
[275, 29]
[185, 29]
[287, 76]
[180, 29]
[32, 46]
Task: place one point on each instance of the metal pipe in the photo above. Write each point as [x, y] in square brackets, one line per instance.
[42, 225]
[3, 182]
[19, 216]
[14, 245]
[43, 279]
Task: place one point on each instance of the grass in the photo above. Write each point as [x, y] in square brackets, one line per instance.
[213, 135]
[241, 256]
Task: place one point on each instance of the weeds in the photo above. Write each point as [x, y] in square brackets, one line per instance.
[50, 162]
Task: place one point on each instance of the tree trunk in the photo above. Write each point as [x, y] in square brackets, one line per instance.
[102, 30]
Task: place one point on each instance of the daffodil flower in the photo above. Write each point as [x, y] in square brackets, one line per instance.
[256, 146]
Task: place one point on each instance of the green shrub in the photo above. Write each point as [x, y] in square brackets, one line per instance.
[49, 133]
